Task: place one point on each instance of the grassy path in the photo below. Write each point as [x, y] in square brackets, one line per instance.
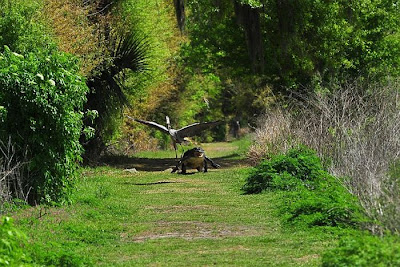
[156, 218]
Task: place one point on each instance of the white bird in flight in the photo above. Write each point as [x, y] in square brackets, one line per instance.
[178, 136]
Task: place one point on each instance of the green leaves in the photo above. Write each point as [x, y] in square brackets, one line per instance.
[311, 196]
[253, 3]
[12, 243]
[301, 39]
[43, 96]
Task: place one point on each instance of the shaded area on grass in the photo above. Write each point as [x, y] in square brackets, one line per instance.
[162, 164]
[140, 164]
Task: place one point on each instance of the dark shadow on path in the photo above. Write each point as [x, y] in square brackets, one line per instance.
[140, 164]
[154, 164]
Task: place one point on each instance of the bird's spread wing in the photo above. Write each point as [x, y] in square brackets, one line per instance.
[195, 128]
[151, 124]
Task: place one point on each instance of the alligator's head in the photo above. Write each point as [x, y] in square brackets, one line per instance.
[198, 152]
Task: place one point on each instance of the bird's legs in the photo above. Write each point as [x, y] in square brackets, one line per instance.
[176, 153]
[176, 149]
[183, 151]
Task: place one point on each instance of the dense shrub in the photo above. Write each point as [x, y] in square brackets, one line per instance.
[363, 249]
[312, 196]
[286, 171]
[329, 204]
[16, 251]
[43, 96]
[12, 243]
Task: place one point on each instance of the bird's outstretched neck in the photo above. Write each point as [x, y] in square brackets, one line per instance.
[168, 122]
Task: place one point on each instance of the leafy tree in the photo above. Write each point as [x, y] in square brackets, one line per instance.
[331, 39]
[215, 39]
[288, 45]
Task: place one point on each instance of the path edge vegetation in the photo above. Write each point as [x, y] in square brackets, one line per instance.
[311, 198]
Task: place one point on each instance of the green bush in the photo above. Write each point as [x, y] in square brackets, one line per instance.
[312, 196]
[43, 97]
[19, 28]
[363, 249]
[329, 204]
[12, 243]
[286, 172]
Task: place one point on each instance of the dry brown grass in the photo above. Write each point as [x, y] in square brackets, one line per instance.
[356, 132]
[272, 135]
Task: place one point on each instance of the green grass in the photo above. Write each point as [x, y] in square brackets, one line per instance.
[158, 218]
[234, 150]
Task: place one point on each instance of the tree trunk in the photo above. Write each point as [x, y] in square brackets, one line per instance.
[249, 19]
[180, 14]
[285, 14]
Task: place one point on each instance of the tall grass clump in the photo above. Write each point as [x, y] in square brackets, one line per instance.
[355, 129]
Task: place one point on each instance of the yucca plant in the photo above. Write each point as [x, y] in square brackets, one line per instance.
[107, 92]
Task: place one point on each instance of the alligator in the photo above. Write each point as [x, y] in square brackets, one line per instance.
[194, 158]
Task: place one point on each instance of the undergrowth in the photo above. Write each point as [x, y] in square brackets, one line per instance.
[12, 242]
[15, 250]
[364, 249]
[312, 196]
[355, 129]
